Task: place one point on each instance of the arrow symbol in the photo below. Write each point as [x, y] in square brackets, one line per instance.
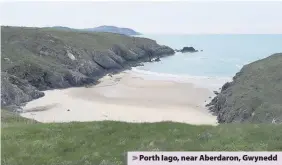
[134, 157]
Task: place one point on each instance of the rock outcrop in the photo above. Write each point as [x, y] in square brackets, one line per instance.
[36, 59]
[187, 49]
[254, 95]
[17, 91]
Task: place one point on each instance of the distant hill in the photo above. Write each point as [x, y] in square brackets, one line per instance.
[114, 29]
[110, 29]
[62, 28]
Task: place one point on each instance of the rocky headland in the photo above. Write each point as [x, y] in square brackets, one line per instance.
[37, 59]
[254, 95]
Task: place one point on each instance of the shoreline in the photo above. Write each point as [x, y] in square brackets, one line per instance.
[126, 96]
[213, 83]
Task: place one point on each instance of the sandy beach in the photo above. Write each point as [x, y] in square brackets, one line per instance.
[127, 96]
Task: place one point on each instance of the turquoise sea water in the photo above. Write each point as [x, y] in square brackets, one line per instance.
[222, 56]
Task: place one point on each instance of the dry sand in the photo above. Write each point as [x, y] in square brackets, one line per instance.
[128, 97]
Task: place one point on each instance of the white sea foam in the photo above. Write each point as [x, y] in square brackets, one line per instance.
[212, 83]
[239, 66]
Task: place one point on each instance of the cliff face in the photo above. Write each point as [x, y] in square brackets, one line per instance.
[35, 59]
[254, 95]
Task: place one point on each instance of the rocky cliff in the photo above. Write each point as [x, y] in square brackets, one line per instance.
[36, 59]
[254, 95]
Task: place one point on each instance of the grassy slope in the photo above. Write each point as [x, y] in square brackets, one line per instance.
[46, 58]
[15, 36]
[26, 142]
[255, 94]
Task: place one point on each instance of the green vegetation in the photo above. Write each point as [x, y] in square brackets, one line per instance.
[26, 142]
[36, 59]
[10, 119]
[254, 96]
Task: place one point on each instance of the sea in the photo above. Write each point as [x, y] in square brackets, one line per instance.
[222, 56]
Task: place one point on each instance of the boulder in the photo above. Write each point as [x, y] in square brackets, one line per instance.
[188, 49]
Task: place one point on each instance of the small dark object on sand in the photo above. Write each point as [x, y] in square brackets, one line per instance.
[157, 59]
[210, 97]
[68, 110]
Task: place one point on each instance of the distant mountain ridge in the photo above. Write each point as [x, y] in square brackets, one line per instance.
[104, 28]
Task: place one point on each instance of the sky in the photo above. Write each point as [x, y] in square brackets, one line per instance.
[193, 17]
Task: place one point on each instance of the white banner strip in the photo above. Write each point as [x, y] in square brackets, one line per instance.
[204, 158]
